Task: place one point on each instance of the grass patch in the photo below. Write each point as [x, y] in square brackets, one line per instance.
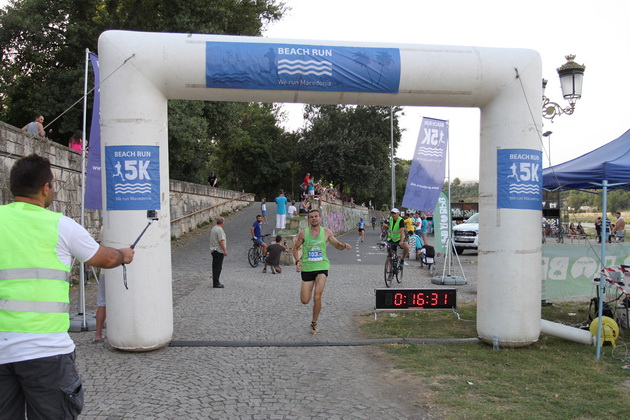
[550, 379]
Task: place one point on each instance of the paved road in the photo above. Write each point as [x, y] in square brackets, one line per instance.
[244, 352]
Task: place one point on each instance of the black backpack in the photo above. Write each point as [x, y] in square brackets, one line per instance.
[430, 251]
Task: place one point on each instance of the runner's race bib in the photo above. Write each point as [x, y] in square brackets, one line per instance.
[315, 254]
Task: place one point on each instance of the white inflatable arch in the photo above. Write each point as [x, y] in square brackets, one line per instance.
[139, 72]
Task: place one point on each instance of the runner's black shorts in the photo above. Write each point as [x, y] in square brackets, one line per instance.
[311, 275]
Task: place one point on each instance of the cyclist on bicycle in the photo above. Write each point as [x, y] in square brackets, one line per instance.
[257, 234]
[396, 234]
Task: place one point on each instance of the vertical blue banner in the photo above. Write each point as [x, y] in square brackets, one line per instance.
[133, 177]
[93, 184]
[441, 220]
[519, 179]
[426, 176]
[272, 66]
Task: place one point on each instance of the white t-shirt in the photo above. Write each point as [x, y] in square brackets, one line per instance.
[74, 241]
[292, 210]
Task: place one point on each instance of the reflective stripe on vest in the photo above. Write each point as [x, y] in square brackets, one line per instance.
[34, 273]
[34, 283]
[28, 306]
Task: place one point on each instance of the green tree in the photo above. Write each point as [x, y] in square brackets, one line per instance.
[189, 145]
[349, 145]
[43, 58]
[43, 54]
[253, 153]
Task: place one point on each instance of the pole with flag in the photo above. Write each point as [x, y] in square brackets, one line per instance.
[80, 323]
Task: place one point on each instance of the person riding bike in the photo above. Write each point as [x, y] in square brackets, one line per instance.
[256, 232]
[396, 234]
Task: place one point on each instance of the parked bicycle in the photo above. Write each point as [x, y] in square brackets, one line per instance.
[393, 269]
[554, 231]
[255, 253]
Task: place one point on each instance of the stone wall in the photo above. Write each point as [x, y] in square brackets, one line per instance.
[191, 205]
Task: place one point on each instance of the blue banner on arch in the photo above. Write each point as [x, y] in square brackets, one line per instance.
[236, 65]
[133, 177]
[519, 179]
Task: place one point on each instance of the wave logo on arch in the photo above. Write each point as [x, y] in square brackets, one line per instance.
[305, 67]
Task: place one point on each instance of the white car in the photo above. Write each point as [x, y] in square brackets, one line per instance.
[466, 235]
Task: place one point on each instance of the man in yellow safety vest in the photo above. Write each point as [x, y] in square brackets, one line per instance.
[37, 359]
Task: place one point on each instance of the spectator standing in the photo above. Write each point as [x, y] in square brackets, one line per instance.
[598, 229]
[38, 374]
[263, 209]
[311, 187]
[307, 180]
[218, 249]
[424, 228]
[76, 141]
[274, 251]
[620, 227]
[281, 211]
[101, 310]
[212, 180]
[314, 264]
[36, 126]
[409, 224]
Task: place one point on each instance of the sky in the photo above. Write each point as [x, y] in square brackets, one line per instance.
[596, 32]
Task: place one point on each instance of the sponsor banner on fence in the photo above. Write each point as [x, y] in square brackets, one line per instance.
[273, 66]
[569, 270]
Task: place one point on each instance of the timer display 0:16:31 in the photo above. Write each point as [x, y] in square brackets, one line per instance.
[416, 298]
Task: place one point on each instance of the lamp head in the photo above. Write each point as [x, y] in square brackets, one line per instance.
[571, 77]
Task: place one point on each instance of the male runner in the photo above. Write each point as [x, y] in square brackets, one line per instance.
[314, 263]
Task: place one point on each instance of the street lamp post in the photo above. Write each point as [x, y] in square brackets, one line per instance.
[571, 77]
[548, 135]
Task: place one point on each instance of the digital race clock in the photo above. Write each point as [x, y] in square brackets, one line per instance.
[416, 298]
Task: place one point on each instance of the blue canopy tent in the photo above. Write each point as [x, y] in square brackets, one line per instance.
[605, 168]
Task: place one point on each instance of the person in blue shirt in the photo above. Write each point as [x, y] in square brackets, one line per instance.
[281, 211]
[257, 234]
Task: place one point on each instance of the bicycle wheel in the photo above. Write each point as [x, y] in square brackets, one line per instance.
[389, 272]
[399, 273]
[252, 257]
